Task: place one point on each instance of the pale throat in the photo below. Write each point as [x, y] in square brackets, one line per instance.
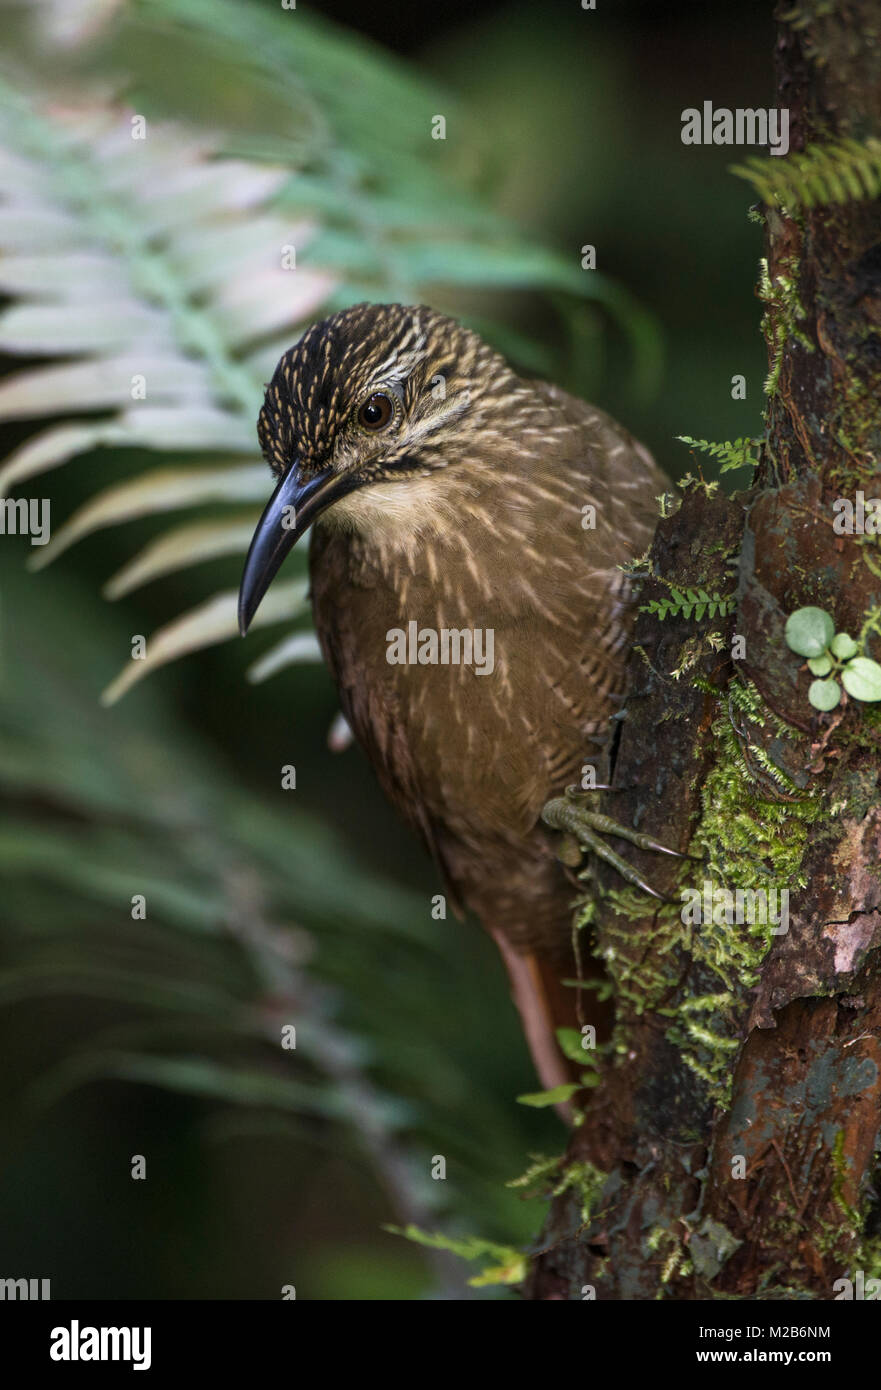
[398, 516]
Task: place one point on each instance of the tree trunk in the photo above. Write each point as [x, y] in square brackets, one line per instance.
[728, 1148]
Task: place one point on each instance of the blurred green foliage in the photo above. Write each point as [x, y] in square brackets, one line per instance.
[256, 918]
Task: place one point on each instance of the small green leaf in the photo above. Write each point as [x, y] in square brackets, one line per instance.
[513, 1272]
[824, 695]
[820, 665]
[570, 1041]
[512, 1267]
[539, 1099]
[843, 646]
[861, 678]
[809, 631]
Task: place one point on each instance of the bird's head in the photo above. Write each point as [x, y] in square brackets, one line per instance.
[366, 406]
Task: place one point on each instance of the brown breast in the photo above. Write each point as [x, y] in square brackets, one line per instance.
[469, 758]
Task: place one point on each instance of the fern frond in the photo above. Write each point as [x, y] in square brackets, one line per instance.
[158, 340]
[302, 648]
[842, 171]
[730, 453]
[176, 549]
[695, 603]
[212, 622]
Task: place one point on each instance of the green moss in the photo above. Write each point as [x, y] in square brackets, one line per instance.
[860, 407]
[544, 1178]
[868, 1257]
[751, 838]
[784, 310]
[670, 1246]
[643, 978]
[841, 1164]
[538, 1176]
[587, 1182]
[746, 841]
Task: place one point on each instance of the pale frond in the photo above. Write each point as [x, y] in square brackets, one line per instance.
[213, 621]
[159, 269]
[161, 490]
[179, 549]
[301, 649]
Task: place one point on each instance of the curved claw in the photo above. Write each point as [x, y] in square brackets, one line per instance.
[569, 814]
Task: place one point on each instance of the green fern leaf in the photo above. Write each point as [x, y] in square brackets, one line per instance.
[839, 172]
[730, 453]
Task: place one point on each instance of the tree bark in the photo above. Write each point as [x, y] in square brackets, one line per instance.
[728, 1149]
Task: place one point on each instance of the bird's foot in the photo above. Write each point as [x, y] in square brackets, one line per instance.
[570, 815]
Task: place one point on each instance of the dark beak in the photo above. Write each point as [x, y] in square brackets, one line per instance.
[289, 513]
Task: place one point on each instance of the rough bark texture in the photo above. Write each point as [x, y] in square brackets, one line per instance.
[736, 1121]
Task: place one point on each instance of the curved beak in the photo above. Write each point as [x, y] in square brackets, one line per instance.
[289, 513]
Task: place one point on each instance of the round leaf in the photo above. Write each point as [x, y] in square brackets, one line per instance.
[843, 646]
[820, 665]
[824, 695]
[862, 679]
[809, 631]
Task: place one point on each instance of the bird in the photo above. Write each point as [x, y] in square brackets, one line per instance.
[447, 494]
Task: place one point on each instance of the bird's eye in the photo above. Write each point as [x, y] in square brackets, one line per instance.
[376, 412]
